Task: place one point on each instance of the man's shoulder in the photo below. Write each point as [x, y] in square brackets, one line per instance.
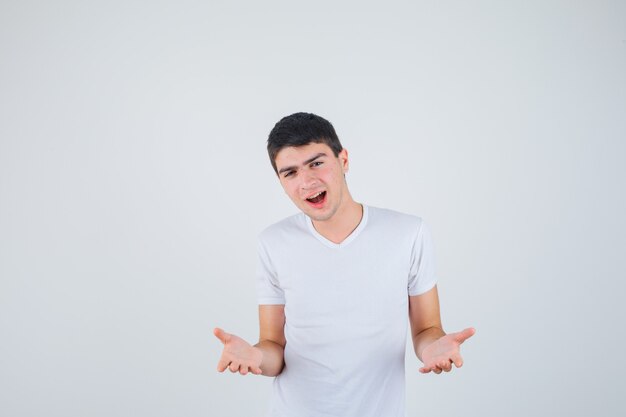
[389, 217]
[282, 228]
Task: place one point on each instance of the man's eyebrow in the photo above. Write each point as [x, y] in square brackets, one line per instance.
[308, 161]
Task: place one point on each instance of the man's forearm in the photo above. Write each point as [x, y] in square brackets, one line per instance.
[273, 358]
[425, 338]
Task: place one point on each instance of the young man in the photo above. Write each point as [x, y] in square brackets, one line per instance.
[337, 284]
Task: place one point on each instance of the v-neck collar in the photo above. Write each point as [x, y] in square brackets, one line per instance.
[348, 239]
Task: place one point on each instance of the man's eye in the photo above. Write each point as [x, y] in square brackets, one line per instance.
[288, 174]
[317, 162]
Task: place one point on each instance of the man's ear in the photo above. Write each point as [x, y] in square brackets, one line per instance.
[343, 158]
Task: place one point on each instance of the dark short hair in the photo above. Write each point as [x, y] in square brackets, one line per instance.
[300, 129]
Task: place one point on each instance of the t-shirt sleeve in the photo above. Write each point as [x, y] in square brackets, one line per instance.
[268, 289]
[422, 271]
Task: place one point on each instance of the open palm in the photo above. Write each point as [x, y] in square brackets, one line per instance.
[238, 355]
[445, 351]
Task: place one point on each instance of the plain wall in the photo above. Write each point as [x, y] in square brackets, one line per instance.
[134, 179]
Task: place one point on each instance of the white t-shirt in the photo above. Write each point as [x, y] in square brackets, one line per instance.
[346, 311]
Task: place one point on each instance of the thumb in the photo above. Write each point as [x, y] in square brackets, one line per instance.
[221, 334]
[465, 334]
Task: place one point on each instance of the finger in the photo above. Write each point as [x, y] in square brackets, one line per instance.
[257, 371]
[428, 367]
[243, 370]
[234, 367]
[221, 334]
[222, 365]
[437, 370]
[457, 360]
[446, 366]
[465, 334]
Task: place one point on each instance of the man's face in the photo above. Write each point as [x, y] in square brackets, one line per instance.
[306, 170]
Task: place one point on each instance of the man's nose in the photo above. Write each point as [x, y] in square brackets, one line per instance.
[309, 180]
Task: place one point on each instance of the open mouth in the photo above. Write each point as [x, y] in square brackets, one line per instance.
[318, 199]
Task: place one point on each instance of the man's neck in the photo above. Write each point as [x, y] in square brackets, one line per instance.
[342, 224]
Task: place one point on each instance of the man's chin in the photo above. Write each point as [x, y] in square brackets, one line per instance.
[319, 217]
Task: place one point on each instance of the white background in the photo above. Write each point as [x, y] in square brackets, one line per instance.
[134, 179]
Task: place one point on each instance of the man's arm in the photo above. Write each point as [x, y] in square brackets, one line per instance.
[272, 338]
[425, 320]
[436, 349]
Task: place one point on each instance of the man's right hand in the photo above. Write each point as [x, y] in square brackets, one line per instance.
[238, 355]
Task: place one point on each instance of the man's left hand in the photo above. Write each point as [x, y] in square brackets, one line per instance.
[445, 351]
